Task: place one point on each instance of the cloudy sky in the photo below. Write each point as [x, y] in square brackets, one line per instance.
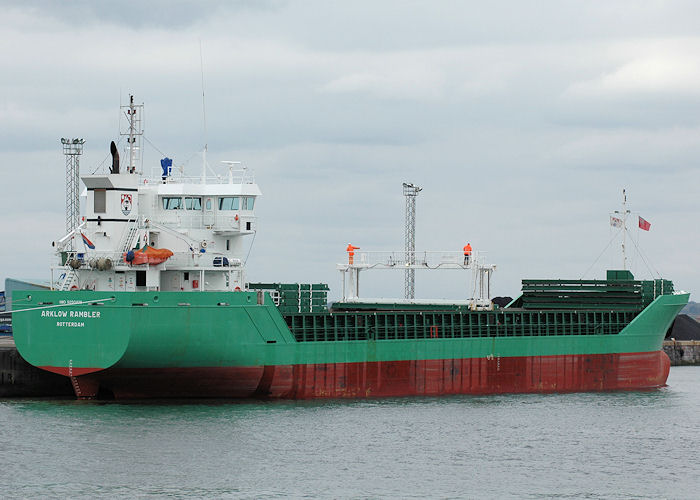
[521, 121]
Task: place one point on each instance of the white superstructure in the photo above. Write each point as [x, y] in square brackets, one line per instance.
[201, 220]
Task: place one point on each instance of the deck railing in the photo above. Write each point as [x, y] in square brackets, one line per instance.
[235, 176]
[445, 259]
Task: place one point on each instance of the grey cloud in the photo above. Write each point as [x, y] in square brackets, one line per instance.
[521, 123]
[158, 14]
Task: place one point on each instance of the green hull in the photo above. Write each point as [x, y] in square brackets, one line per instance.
[223, 329]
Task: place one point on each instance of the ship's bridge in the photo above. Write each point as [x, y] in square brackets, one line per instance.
[224, 209]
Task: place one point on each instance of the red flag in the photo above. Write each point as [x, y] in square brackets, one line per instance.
[643, 224]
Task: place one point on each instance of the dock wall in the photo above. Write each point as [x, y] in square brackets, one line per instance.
[683, 352]
[20, 379]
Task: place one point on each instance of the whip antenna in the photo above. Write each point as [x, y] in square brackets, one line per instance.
[204, 117]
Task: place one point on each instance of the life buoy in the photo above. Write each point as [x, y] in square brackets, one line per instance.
[74, 287]
[237, 289]
[236, 218]
[203, 244]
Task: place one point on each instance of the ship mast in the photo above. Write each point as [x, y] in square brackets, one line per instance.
[131, 133]
[624, 214]
[134, 132]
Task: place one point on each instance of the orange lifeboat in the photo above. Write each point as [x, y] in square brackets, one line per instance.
[147, 255]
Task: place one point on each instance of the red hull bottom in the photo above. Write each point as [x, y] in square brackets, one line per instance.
[535, 374]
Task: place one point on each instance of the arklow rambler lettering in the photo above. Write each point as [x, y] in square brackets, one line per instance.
[70, 314]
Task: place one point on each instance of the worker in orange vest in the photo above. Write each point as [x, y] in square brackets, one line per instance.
[351, 253]
[467, 253]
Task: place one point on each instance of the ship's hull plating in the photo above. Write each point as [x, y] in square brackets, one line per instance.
[436, 377]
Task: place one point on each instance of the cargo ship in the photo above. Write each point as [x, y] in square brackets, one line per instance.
[150, 299]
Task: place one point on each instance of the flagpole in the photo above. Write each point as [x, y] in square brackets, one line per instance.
[620, 220]
[624, 228]
[625, 212]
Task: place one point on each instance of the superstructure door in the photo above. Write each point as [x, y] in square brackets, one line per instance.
[208, 211]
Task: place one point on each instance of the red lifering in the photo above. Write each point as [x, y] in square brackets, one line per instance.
[74, 287]
[236, 217]
[237, 289]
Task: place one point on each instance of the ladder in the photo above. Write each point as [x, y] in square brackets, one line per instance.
[128, 237]
[70, 278]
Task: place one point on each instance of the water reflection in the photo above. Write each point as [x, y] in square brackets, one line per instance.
[594, 444]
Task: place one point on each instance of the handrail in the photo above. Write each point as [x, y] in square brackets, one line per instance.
[53, 306]
[196, 219]
[173, 232]
[127, 234]
[237, 176]
[188, 259]
[432, 259]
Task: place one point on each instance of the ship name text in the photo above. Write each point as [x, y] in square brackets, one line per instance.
[72, 324]
[70, 314]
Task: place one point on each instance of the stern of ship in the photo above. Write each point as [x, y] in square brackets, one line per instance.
[71, 333]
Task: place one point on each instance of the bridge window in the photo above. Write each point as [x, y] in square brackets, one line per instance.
[229, 203]
[248, 203]
[193, 203]
[172, 203]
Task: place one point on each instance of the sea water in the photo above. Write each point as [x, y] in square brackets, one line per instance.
[595, 445]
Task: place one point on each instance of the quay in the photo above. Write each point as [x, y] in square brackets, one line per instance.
[20, 379]
[683, 352]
